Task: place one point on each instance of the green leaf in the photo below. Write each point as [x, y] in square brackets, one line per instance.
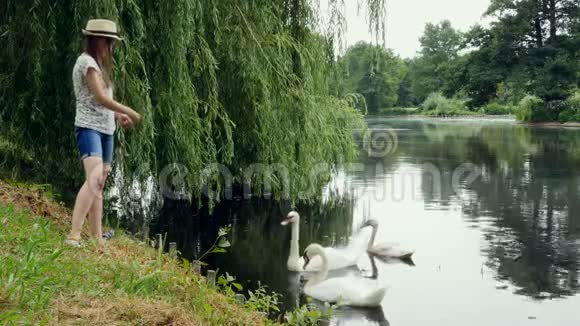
[314, 314]
[208, 308]
[217, 250]
[56, 254]
[238, 286]
[224, 243]
[9, 316]
[222, 232]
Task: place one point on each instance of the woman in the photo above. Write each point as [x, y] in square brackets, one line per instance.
[96, 112]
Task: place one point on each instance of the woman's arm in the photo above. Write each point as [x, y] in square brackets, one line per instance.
[96, 87]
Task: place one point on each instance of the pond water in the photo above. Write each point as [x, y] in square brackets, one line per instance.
[491, 207]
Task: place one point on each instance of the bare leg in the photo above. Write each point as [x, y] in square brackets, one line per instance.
[91, 189]
[96, 210]
[96, 217]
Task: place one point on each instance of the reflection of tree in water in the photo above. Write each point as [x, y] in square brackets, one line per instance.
[534, 210]
[526, 199]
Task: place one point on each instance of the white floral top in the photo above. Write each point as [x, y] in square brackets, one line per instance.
[89, 113]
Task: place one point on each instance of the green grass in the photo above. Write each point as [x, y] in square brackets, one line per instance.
[124, 282]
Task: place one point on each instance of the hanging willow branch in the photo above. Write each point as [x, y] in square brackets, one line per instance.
[230, 82]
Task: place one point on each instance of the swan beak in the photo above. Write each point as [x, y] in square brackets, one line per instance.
[306, 261]
[285, 222]
[364, 226]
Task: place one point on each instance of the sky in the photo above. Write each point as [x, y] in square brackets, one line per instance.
[406, 21]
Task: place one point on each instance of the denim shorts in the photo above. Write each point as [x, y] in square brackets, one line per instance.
[94, 143]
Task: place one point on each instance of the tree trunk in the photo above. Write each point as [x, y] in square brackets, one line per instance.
[538, 31]
[552, 18]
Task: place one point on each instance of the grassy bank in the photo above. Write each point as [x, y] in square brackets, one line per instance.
[529, 109]
[417, 112]
[124, 282]
[437, 105]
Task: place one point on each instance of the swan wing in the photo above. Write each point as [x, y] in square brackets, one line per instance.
[359, 241]
[339, 258]
[336, 258]
[385, 245]
[350, 291]
[342, 257]
[387, 251]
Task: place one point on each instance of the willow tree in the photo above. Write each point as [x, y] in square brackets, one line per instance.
[229, 82]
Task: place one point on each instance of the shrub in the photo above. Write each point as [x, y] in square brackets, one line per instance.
[438, 105]
[309, 314]
[434, 102]
[572, 109]
[511, 92]
[531, 109]
[495, 108]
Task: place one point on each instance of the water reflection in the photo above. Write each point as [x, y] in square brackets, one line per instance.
[525, 200]
[484, 245]
[359, 316]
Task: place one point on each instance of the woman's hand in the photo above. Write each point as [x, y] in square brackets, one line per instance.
[135, 117]
[124, 120]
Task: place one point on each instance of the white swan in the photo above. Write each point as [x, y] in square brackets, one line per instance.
[348, 291]
[385, 250]
[337, 258]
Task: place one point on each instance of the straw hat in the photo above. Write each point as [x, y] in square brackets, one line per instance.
[103, 28]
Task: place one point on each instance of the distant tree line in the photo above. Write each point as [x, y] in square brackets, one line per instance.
[527, 62]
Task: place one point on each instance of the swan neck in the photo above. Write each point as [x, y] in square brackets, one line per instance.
[294, 250]
[373, 236]
[323, 273]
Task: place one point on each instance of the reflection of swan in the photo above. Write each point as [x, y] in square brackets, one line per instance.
[294, 289]
[375, 274]
[392, 260]
[385, 250]
[348, 291]
[336, 258]
[395, 261]
[352, 316]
